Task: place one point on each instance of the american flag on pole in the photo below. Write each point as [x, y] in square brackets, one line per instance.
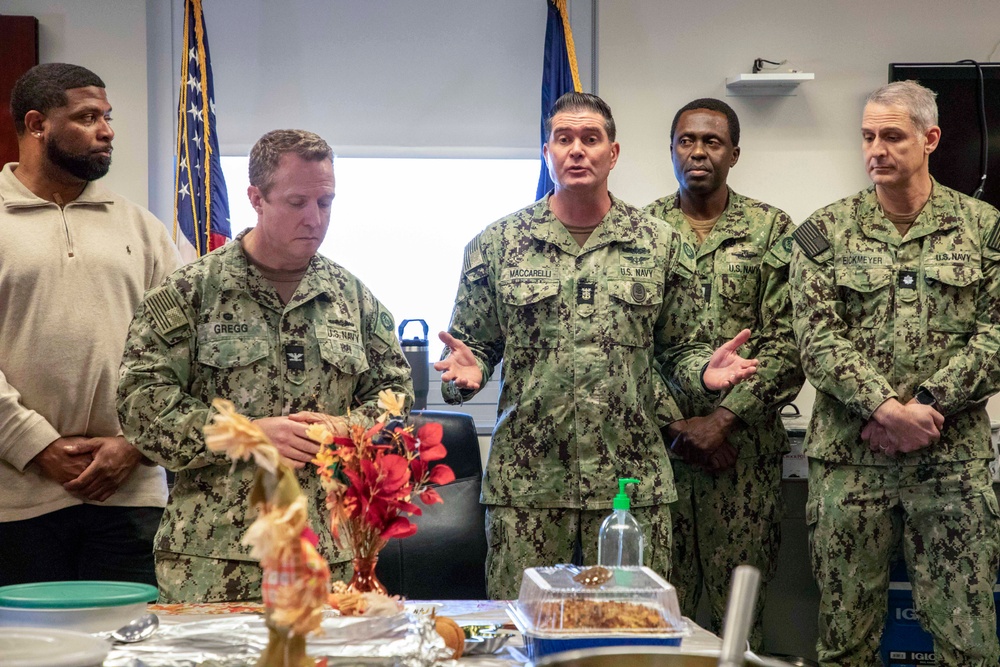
[201, 205]
[559, 73]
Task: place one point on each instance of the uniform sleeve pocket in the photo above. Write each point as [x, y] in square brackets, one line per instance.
[812, 512]
[232, 352]
[992, 505]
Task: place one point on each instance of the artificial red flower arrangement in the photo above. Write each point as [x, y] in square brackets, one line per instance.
[371, 476]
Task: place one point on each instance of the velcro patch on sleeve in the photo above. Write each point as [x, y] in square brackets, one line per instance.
[780, 253]
[473, 264]
[810, 239]
[385, 327]
[993, 240]
[164, 306]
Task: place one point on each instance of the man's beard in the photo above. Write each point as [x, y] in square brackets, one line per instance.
[85, 167]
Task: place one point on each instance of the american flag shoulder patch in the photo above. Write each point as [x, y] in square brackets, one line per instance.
[473, 256]
[164, 307]
[810, 239]
[993, 240]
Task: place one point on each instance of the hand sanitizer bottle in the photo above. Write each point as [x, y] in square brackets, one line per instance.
[620, 541]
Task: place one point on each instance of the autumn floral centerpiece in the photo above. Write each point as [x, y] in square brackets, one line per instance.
[371, 475]
[296, 579]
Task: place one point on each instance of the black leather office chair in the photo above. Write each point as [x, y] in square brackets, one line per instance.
[446, 558]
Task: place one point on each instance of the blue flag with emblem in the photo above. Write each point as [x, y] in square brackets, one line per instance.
[201, 204]
[559, 73]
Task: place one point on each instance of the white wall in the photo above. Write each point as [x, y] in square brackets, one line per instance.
[800, 152]
[108, 37]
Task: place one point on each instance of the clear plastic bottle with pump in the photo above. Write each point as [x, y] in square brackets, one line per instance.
[620, 542]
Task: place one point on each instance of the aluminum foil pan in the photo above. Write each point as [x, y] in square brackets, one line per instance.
[403, 640]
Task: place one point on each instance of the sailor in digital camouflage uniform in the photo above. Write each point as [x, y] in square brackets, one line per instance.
[896, 299]
[579, 294]
[277, 329]
[728, 475]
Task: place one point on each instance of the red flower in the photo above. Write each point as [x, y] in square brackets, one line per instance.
[409, 440]
[395, 472]
[441, 474]
[431, 448]
[382, 481]
[430, 496]
[419, 468]
[400, 527]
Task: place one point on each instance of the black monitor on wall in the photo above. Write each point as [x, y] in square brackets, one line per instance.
[957, 160]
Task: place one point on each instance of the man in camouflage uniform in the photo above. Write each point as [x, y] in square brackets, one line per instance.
[896, 296]
[580, 294]
[274, 327]
[728, 476]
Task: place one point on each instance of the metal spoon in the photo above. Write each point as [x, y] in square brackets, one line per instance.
[137, 630]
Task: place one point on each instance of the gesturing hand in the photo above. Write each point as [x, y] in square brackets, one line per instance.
[726, 368]
[460, 365]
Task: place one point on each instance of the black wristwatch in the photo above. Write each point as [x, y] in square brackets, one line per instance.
[925, 397]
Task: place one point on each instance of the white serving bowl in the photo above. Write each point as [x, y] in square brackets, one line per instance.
[86, 606]
[51, 647]
[84, 619]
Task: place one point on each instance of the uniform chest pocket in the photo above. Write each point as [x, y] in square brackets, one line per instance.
[532, 309]
[225, 353]
[950, 292]
[347, 357]
[736, 306]
[865, 295]
[635, 305]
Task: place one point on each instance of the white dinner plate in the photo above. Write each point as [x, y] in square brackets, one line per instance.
[50, 647]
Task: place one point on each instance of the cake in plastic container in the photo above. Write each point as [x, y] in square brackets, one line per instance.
[564, 607]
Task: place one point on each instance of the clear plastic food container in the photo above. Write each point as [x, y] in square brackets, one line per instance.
[561, 608]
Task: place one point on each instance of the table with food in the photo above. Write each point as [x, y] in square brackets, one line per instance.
[84, 624]
[564, 616]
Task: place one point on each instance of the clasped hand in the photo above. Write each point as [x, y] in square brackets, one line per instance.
[897, 428]
[703, 441]
[288, 435]
[93, 468]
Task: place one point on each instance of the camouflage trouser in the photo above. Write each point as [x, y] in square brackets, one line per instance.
[522, 537]
[945, 517]
[719, 522]
[185, 578]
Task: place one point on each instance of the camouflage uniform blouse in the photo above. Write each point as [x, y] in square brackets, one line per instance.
[743, 274]
[216, 328]
[878, 316]
[578, 328]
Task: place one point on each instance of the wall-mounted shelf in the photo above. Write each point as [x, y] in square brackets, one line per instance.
[767, 83]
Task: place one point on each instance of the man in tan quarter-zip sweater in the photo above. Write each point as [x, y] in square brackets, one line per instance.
[76, 500]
